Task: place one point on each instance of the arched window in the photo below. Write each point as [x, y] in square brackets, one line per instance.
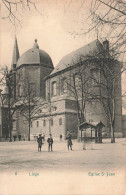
[51, 122]
[60, 121]
[54, 88]
[95, 74]
[37, 123]
[64, 85]
[77, 81]
[44, 122]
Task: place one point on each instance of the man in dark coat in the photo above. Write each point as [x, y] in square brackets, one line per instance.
[50, 142]
[39, 140]
[60, 137]
[69, 140]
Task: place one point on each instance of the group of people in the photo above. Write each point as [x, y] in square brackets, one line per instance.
[41, 140]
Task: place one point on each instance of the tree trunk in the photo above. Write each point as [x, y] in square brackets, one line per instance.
[29, 126]
[112, 134]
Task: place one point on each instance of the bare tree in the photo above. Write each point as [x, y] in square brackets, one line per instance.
[77, 84]
[45, 109]
[113, 16]
[30, 106]
[15, 8]
[110, 92]
[96, 78]
[22, 97]
[9, 100]
[106, 18]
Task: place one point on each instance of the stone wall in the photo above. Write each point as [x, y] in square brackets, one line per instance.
[71, 124]
[44, 71]
[56, 128]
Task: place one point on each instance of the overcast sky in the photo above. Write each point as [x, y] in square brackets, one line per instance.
[55, 30]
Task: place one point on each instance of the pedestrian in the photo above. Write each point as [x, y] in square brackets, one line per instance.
[84, 140]
[60, 137]
[19, 137]
[50, 142]
[14, 137]
[69, 141]
[39, 140]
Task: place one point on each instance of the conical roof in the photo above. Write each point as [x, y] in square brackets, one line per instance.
[15, 54]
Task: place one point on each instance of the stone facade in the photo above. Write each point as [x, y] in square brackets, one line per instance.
[94, 110]
[60, 119]
[60, 111]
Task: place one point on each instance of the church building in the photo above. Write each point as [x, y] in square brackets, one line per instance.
[58, 90]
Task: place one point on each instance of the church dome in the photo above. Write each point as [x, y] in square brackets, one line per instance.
[35, 56]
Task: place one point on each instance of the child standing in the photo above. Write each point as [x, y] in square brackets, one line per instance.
[50, 142]
[39, 140]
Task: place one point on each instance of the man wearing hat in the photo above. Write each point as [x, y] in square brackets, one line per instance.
[69, 140]
[39, 140]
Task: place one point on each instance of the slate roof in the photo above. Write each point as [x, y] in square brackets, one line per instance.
[94, 48]
[35, 56]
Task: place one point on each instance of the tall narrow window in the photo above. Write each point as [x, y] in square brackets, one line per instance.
[54, 88]
[51, 122]
[37, 124]
[95, 74]
[60, 121]
[64, 85]
[44, 123]
[31, 124]
[77, 81]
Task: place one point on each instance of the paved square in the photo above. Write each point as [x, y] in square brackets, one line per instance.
[24, 156]
[98, 170]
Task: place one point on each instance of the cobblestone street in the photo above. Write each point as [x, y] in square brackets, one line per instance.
[98, 161]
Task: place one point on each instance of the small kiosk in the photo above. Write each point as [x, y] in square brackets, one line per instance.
[83, 127]
[97, 128]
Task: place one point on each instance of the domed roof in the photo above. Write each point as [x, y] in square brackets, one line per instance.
[35, 56]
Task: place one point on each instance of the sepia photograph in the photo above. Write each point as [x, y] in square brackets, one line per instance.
[63, 97]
